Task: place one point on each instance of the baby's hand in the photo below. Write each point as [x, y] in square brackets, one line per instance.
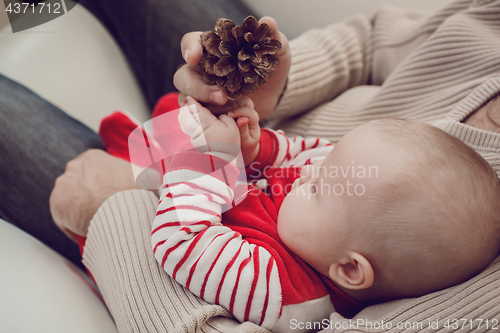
[208, 132]
[248, 125]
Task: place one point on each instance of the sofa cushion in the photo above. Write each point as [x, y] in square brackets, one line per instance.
[43, 292]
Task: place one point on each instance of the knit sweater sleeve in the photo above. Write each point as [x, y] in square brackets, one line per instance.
[278, 150]
[357, 51]
[138, 293]
[326, 62]
[210, 259]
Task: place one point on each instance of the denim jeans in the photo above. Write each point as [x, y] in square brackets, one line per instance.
[37, 139]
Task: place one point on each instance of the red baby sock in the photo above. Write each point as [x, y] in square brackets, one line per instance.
[166, 103]
[121, 134]
[125, 137]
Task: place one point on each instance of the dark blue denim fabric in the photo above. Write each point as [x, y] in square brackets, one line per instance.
[36, 141]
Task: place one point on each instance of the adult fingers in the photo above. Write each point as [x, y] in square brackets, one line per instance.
[221, 109]
[189, 81]
[70, 235]
[181, 99]
[215, 109]
[191, 48]
[277, 34]
[59, 207]
[272, 24]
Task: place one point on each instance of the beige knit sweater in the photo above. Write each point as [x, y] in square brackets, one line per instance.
[437, 69]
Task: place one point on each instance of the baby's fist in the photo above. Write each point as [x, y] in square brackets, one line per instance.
[207, 132]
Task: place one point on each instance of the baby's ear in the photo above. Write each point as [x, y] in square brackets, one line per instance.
[352, 272]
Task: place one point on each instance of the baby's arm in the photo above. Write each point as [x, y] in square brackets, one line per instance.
[247, 120]
[211, 260]
[278, 150]
[190, 242]
[298, 151]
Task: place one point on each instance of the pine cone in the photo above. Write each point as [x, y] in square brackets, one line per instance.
[239, 59]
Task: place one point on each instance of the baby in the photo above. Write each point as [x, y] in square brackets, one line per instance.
[334, 237]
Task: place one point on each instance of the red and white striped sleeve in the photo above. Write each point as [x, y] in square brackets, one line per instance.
[278, 150]
[211, 260]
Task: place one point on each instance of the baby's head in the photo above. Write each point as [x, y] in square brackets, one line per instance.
[398, 209]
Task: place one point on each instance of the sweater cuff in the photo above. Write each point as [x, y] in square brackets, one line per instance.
[106, 235]
[138, 204]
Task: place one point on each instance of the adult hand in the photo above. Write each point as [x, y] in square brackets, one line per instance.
[89, 180]
[189, 79]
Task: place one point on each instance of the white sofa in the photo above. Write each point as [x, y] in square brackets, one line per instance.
[43, 292]
[78, 47]
[40, 291]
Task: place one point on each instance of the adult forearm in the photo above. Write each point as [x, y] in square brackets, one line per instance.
[357, 51]
[325, 63]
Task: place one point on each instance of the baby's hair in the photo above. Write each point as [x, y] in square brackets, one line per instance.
[443, 202]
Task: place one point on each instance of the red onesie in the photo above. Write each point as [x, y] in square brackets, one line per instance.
[237, 259]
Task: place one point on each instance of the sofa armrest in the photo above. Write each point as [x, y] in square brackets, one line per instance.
[74, 63]
[43, 292]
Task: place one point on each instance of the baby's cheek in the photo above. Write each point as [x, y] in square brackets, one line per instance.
[295, 184]
[285, 222]
[282, 215]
